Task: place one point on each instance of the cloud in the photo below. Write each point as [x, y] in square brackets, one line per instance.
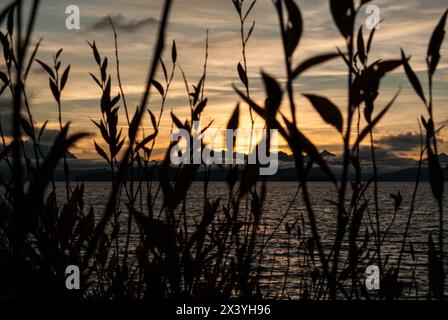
[386, 159]
[28, 149]
[403, 142]
[407, 141]
[121, 24]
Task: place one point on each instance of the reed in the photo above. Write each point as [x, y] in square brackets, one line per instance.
[223, 255]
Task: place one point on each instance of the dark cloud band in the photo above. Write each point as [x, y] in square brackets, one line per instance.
[121, 24]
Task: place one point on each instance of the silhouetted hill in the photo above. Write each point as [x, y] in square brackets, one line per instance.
[283, 174]
[409, 174]
[28, 149]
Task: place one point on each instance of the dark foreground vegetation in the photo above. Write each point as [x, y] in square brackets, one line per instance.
[41, 233]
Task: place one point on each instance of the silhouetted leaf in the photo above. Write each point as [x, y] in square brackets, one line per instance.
[274, 97]
[294, 27]
[311, 62]
[236, 3]
[96, 54]
[361, 49]
[197, 90]
[153, 119]
[64, 77]
[207, 126]
[6, 48]
[174, 52]
[116, 149]
[10, 22]
[165, 73]
[234, 119]
[103, 130]
[429, 126]
[4, 77]
[385, 66]
[369, 41]
[46, 68]
[58, 53]
[412, 77]
[341, 11]
[242, 74]
[327, 110]
[199, 108]
[134, 123]
[55, 91]
[176, 121]
[101, 152]
[115, 100]
[249, 9]
[104, 70]
[105, 98]
[158, 86]
[96, 80]
[433, 52]
[233, 125]
[250, 31]
[366, 84]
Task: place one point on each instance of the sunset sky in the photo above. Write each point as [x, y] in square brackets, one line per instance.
[407, 24]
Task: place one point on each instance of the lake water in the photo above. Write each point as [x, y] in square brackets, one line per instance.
[280, 197]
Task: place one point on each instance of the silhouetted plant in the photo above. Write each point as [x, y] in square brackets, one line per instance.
[222, 256]
[435, 259]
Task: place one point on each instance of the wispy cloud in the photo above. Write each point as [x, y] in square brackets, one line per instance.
[121, 24]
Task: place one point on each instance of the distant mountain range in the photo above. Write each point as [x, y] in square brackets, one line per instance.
[93, 170]
[443, 158]
[286, 171]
